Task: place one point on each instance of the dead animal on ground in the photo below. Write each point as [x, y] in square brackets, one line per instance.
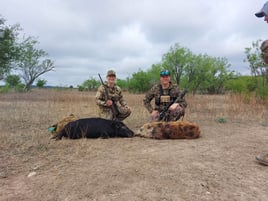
[169, 130]
[56, 128]
[94, 128]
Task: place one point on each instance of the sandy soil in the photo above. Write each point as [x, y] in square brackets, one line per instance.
[220, 165]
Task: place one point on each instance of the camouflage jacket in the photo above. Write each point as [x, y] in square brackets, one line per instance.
[115, 94]
[157, 93]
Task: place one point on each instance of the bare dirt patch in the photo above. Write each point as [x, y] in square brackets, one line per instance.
[220, 165]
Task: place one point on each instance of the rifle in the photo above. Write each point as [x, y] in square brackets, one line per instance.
[163, 114]
[107, 97]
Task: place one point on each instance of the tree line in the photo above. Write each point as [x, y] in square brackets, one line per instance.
[198, 73]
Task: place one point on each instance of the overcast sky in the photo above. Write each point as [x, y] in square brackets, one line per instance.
[87, 37]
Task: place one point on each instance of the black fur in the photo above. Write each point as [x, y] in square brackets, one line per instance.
[94, 128]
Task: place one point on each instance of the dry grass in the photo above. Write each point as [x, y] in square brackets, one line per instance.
[25, 144]
[25, 117]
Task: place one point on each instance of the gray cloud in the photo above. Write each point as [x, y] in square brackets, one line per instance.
[87, 37]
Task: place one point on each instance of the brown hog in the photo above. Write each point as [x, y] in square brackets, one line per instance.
[169, 130]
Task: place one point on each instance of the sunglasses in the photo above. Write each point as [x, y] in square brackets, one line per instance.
[164, 73]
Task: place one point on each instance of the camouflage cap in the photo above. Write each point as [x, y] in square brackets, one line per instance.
[111, 72]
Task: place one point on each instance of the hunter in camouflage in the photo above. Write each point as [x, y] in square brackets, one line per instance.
[114, 100]
[163, 94]
[263, 13]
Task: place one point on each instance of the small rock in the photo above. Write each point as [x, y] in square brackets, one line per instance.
[3, 174]
[31, 174]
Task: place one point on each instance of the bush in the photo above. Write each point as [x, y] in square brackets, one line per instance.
[41, 83]
[12, 80]
[4, 89]
[261, 92]
[19, 87]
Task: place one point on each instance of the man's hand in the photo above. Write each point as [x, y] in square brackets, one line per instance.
[154, 115]
[174, 106]
[109, 103]
[129, 108]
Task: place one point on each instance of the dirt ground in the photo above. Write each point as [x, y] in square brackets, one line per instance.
[220, 165]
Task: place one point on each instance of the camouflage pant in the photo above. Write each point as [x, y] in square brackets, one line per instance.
[173, 115]
[107, 113]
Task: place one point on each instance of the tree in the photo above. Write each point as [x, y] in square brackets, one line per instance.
[176, 60]
[139, 82]
[207, 74]
[218, 75]
[154, 72]
[41, 83]
[12, 80]
[256, 64]
[89, 85]
[122, 83]
[196, 72]
[8, 47]
[30, 63]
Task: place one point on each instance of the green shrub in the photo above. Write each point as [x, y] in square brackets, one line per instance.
[221, 120]
[4, 89]
[19, 87]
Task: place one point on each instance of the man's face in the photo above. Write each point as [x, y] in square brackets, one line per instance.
[165, 79]
[111, 79]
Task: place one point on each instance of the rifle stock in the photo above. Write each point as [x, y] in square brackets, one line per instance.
[107, 97]
[162, 114]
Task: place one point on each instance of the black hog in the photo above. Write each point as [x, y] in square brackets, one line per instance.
[94, 128]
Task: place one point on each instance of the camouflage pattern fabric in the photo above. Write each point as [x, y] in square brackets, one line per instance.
[155, 93]
[264, 50]
[176, 114]
[169, 130]
[115, 93]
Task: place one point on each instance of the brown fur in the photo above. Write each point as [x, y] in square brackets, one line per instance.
[60, 125]
[170, 130]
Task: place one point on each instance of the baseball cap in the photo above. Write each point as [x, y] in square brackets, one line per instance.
[111, 72]
[164, 73]
[263, 11]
